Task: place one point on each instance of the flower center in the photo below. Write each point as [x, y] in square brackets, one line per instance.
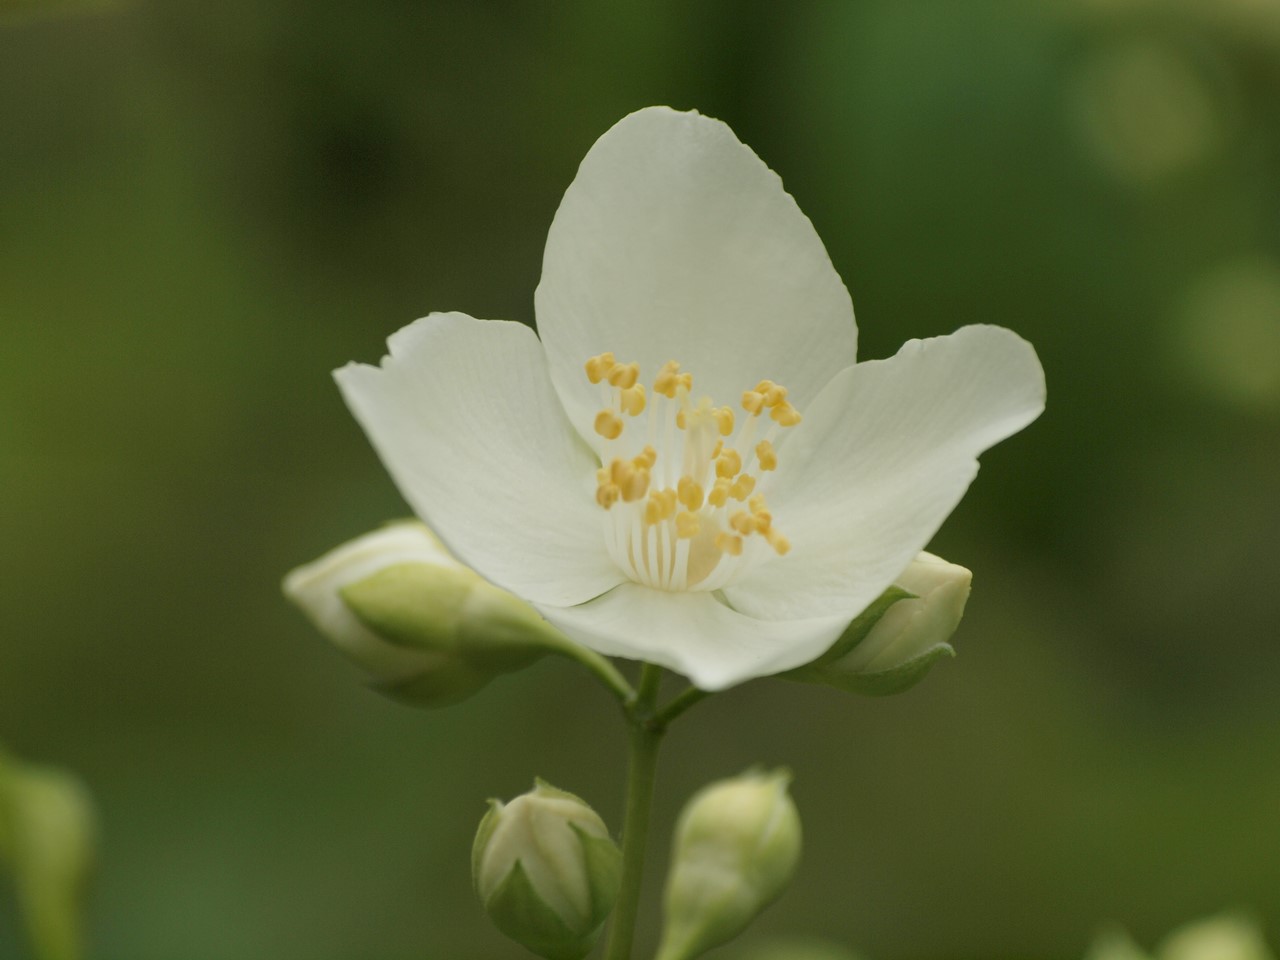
[683, 490]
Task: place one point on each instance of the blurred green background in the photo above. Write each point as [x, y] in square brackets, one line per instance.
[204, 208]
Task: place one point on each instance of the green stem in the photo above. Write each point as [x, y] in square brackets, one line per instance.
[678, 705]
[641, 772]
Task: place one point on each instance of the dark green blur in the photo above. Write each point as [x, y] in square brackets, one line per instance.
[205, 207]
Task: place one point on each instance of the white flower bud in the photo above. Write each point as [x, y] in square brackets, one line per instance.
[894, 643]
[47, 840]
[736, 847]
[425, 627]
[546, 871]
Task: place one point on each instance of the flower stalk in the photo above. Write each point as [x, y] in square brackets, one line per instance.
[646, 737]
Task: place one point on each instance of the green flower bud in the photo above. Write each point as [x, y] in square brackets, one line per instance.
[47, 839]
[1225, 937]
[894, 643]
[426, 628]
[546, 871]
[736, 847]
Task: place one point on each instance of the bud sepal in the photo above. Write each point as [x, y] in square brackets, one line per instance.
[546, 871]
[896, 641]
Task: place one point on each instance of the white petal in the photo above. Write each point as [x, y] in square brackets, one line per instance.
[880, 460]
[694, 634]
[465, 419]
[676, 242]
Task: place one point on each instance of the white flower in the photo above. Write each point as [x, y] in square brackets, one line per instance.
[698, 516]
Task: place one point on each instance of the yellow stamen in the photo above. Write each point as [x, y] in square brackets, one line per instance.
[646, 458]
[670, 379]
[633, 399]
[598, 367]
[728, 463]
[774, 395]
[661, 506]
[779, 543]
[607, 495]
[687, 525]
[719, 494]
[608, 425]
[624, 375]
[766, 455]
[724, 420]
[743, 522]
[635, 486]
[742, 487]
[718, 447]
[690, 493]
[752, 402]
[729, 543]
[785, 414]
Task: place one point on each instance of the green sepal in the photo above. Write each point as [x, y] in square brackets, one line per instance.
[518, 911]
[859, 627]
[886, 682]
[603, 862]
[422, 606]
[441, 686]
[413, 605]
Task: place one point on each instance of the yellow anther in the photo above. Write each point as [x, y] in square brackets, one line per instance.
[635, 486]
[661, 506]
[719, 494]
[756, 503]
[766, 455]
[742, 487]
[752, 402]
[619, 470]
[646, 458]
[689, 492]
[598, 367]
[724, 420]
[608, 425]
[779, 543]
[607, 495]
[743, 522]
[633, 399]
[774, 395]
[729, 543]
[603, 475]
[624, 375]
[728, 463]
[785, 414]
[764, 520]
[687, 525]
[670, 379]
[716, 452]
[682, 421]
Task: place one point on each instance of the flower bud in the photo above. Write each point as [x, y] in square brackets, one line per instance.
[737, 844]
[546, 871]
[47, 839]
[425, 627]
[892, 645]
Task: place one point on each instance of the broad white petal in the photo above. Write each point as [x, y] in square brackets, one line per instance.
[676, 242]
[880, 460]
[694, 634]
[463, 415]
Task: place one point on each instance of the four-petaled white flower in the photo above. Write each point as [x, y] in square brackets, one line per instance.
[688, 468]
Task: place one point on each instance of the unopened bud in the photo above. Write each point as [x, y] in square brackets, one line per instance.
[546, 871]
[894, 643]
[47, 840]
[737, 844]
[426, 628]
